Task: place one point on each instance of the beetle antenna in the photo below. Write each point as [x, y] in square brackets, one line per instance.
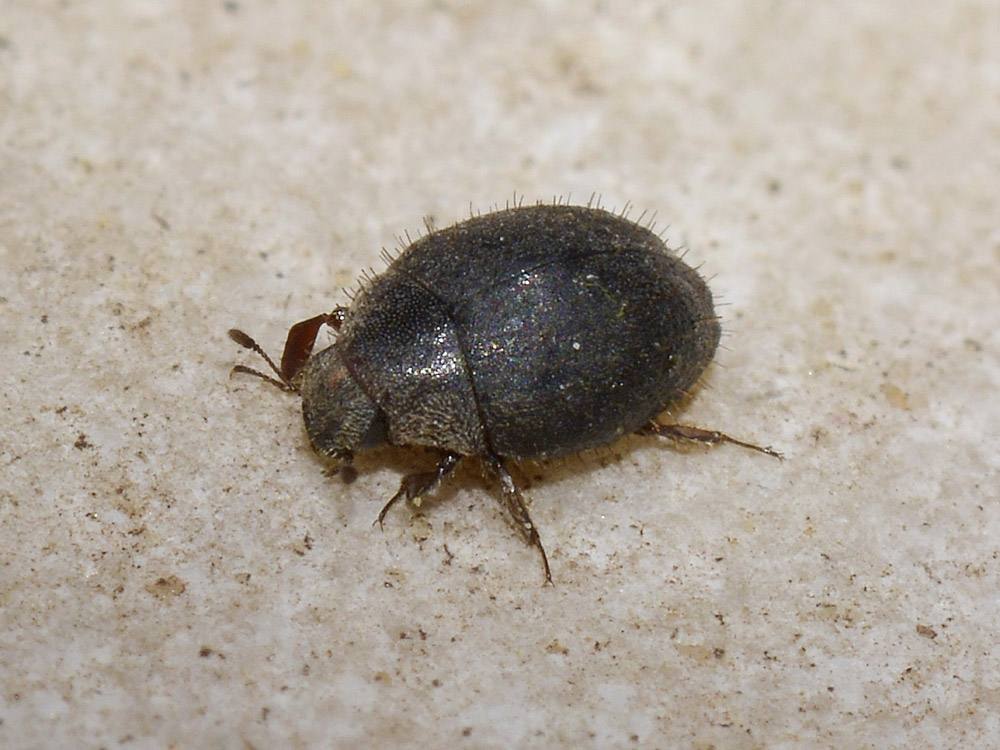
[247, 342]
[244, 370]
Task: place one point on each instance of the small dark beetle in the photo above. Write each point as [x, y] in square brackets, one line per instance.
[528, 333]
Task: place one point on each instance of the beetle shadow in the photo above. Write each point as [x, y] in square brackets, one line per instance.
[531, 475]
[547, 471]
[538, 473]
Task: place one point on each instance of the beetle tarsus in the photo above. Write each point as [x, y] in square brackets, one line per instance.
[517, 509]
[687, 434]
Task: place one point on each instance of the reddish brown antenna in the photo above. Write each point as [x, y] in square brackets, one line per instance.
[298, 347]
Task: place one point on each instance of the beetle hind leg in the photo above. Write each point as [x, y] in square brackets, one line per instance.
[683, 433]
[416, 485]
[517, 509]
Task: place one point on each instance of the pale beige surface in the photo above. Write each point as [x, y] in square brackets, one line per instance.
[177, 571]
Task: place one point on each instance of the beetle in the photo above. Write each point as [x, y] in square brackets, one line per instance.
[531, 332]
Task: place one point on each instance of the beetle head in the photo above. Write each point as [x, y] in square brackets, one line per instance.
[339, 416]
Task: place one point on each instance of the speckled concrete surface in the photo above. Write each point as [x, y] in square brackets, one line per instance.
[177, 571]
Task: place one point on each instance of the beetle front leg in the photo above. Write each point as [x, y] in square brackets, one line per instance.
[683, 433]
[517, 509]
[415, 485]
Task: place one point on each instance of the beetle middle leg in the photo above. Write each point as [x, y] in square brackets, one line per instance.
[683, 433]
[517, 509]
[414, 485]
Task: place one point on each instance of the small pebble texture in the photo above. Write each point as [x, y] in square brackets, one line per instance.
[178, 571]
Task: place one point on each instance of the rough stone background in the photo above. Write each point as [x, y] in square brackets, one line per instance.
[177, 571]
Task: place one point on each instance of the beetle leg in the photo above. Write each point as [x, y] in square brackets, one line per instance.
[516, 508]
[415, 485]
[687, 434]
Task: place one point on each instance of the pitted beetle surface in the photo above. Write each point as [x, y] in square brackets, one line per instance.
[528, 333]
